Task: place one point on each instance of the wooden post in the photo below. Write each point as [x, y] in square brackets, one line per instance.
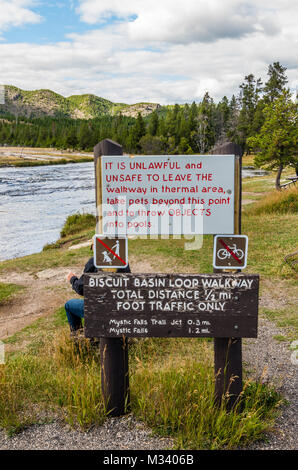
[104, 147]
[113, 351]
[228, 369]
[228, 351]
[115, 375]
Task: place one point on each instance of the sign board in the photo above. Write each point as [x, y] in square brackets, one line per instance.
[110, 252]
[230, 252]
[168, 305]
[168, 194]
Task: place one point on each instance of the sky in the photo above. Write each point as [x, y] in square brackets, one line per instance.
[163, 51]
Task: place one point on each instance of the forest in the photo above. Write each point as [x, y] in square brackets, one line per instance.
[174, 129]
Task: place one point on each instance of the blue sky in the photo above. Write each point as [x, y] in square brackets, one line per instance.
[164, 51]
[57, 20]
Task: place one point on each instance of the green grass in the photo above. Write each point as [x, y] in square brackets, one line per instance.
[7, 290]
[20, 162]
[280, 338]
[172, 388]
[286, 318]
[264, 184]
[271, 238]
[76, 223]
[260, 184]
[60, 161]
[45, 260]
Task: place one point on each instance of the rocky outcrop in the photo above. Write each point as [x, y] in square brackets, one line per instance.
[143, 108]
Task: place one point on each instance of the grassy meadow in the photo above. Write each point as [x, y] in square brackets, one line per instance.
[46, 376]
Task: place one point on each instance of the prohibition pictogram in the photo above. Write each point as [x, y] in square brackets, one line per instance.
[110, 252]
[230, 251]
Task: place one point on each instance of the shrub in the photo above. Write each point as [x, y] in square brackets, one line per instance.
[77, 223]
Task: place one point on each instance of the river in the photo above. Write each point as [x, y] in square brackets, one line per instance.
[35, 201]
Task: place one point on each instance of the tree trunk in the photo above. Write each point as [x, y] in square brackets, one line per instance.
[277, 181]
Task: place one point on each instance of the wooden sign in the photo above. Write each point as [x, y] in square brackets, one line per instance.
[110, 252]
[230, 252]
[167, 194]
[124, 183]
[163, 305]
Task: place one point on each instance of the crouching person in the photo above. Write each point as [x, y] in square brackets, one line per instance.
[75, 307]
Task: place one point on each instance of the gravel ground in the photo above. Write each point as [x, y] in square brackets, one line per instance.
[124, 433]
[270, 360]
[263, 357]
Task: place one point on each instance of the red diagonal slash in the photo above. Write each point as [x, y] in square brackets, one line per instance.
[111, 251]
[230, 251]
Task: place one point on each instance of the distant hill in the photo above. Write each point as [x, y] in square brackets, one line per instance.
[39, 103]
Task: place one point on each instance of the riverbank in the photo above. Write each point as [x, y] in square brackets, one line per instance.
[27, 156]
[48, 381]
[31, 156]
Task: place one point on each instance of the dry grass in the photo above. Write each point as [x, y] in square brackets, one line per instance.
[280, 202]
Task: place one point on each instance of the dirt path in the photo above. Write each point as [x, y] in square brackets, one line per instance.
[44, 292]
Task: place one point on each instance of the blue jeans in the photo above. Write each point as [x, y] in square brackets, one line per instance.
[75, 312]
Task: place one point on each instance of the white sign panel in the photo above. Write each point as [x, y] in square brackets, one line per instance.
[168, 194]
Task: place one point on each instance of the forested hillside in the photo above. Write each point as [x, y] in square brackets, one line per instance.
[44, 103]
[178, 129]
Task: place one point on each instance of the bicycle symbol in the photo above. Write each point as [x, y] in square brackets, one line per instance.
[223, 253]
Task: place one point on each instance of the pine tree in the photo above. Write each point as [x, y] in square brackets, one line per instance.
[249, 97]
[276, 83]
[153, 124]
[71, 139]
[137, 132]
[222, 115]
[278, 137]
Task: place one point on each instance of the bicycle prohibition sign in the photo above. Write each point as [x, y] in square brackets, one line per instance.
[230, 251]
[224, 253]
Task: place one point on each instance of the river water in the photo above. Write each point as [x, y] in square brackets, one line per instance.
[35, 201]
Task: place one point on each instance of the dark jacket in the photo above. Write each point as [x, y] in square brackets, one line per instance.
[78, 283]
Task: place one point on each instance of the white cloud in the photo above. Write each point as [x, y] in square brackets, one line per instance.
[16, 13]
[174, 58]
[187, 21]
